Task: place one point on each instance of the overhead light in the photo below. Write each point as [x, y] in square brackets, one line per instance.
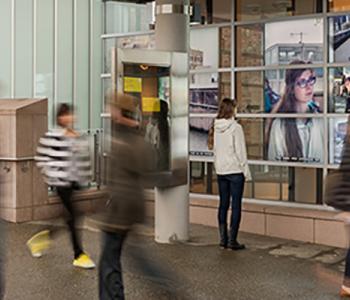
[144, 67]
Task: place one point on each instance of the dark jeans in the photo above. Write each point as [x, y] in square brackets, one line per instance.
[231, 187]
[347, 270]
[110, 269]
[65, 194]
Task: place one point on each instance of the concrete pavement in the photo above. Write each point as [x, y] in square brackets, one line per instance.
[268, 269]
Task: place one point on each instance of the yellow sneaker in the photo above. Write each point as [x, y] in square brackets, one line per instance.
[84, 261]
[38, 243]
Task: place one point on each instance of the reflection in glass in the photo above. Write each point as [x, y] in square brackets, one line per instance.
[258, 9]
[204, 90]
[339, 38]
[338, 5]
[337, 132]
[254, 136]
[291, 40]
[150, 86]
[204, 44]
[250, 92]
[280, 91]
[295, 140]
[204, 180]
[213, 11]
[339, 90]
[268, 183]
[225, 47]
[199, 128]
[127, 17]
[249, 45]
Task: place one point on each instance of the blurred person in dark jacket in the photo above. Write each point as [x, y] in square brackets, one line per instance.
[131, 158]
[64, 160]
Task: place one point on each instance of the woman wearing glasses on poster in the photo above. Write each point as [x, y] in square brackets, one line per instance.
[297, 139]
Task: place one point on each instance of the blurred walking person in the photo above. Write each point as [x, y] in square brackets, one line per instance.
[64, 160]
[337, 195]
[226, 139]
[130, 159]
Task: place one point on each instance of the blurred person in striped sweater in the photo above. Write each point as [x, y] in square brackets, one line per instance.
[64, 160]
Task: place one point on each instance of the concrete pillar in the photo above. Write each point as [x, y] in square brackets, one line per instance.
[172, 25]
[172, 203]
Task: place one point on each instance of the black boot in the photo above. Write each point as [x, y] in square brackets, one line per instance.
[223, 235]
[234, 245]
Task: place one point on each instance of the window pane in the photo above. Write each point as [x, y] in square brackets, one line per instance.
[257, 9]
[5, 57]
[295, 140]
[45, 53]
[262, 92]
[82, 65]
[338, 5]
[206, 89]
[254, 136]
[204, 45]
[337, 131]
[213, 11]
[339, 90]
[249, 45]
[225, 47]
[339, 39]
[204, 180]
[269, 182]
[65, 52]
[199, 127]
[24, 49]
[288, 41]
[127, 17]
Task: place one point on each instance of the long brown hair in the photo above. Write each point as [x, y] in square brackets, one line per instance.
[289, 105]
[226, 109]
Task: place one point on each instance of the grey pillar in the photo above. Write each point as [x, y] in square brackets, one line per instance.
[172, 203]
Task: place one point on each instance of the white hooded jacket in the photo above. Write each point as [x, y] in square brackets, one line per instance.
[230, 154]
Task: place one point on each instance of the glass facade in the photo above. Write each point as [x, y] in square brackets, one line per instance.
[271, 56]
[52, 49]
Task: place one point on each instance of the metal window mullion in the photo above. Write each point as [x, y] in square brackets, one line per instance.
[34, 46]
[74, 65]
[338, 65]
[91, 53]
[277, 67]
[278, 19]
[325, 89]
[127, 34]
[207, 26]
[13, 47]
[55, 68]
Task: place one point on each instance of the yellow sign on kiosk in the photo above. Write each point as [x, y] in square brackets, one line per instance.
[132, 85]
[150, 104]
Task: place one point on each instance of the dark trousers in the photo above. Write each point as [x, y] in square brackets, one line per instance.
[111, 285]
[65, 194]
[347, 270]
[230, 188]
[110, 269]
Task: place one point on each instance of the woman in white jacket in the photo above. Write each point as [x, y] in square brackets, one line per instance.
[232, 170]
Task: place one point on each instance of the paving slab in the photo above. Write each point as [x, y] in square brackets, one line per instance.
[333, 257]
[300, 250]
